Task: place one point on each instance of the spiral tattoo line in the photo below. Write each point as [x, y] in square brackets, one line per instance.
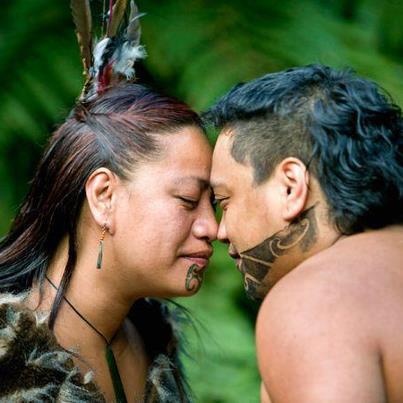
[194, 278]
[258, 261]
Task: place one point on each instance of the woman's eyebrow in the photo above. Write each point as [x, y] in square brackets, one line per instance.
[201, 182]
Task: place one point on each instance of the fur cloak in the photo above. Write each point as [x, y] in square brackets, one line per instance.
[35, 368]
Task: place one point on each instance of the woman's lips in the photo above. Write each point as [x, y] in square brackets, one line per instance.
[200, 258]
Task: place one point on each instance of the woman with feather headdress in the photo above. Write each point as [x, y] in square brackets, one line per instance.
[118, 217]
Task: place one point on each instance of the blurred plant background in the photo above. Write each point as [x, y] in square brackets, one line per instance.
[197, 51]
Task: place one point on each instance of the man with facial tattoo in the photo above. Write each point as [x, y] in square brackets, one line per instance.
[308, 170]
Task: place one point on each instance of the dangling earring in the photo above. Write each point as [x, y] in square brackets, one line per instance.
[101, 246]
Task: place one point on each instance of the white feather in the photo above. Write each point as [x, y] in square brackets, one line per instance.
[98, 52]
[125, 57]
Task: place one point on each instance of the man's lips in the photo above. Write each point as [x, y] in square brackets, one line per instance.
[238, 262]
[236, 256]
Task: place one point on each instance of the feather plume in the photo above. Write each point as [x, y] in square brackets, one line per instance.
[133, 31]
[126, 55]
[112, 59]
[82, 19]
[116, 18]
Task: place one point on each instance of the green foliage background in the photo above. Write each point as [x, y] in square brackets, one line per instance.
[197, 51]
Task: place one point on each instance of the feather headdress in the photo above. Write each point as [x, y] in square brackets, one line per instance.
[110, 59]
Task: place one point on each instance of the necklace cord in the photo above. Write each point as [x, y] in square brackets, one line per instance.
[110, 358]
[81, 315]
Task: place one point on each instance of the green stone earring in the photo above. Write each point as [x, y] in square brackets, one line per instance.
[101, 247]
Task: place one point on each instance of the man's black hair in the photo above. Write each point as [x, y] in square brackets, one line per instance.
[345, 128]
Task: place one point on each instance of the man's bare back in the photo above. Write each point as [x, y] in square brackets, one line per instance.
[332, 329]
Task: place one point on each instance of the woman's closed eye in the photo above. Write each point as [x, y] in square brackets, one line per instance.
[188, 202]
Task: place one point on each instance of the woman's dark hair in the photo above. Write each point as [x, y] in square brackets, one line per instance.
[117, 130]
[345, 128]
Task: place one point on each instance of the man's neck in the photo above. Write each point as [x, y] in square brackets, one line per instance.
[306, 237]
[265, 264]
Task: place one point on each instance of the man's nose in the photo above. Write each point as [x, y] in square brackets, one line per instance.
[222, 232]
[212, 226]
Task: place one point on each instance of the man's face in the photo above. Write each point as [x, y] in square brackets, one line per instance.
[251, 214]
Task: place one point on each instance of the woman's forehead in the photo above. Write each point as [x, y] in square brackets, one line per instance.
[185, 161]
[187, 149]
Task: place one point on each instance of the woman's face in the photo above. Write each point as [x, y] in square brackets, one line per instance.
[165, 222]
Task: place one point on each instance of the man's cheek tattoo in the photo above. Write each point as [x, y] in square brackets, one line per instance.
[194, 278]
[257, 261]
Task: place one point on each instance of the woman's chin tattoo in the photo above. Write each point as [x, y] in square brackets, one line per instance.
[257, 261]
[194, 278]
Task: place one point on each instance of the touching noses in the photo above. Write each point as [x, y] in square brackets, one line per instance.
[205, 226]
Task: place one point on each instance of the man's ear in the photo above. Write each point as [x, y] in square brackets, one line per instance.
[100, 191]
[294, 179]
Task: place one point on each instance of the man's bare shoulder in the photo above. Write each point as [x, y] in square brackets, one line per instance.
[321, 329]
[359, 277]
[357, 265]
[370, 249]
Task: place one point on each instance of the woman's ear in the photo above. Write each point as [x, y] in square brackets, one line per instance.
[294, 178]
[100, 188]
